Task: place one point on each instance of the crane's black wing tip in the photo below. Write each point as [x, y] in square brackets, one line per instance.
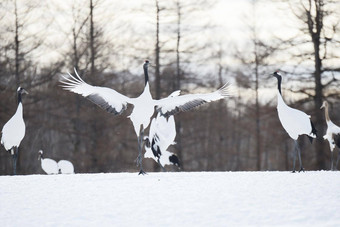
[98, 100]
[183, 108]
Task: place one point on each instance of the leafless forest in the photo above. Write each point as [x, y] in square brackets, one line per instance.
[107, 42]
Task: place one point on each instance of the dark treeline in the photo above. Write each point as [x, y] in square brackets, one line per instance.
[41, 41]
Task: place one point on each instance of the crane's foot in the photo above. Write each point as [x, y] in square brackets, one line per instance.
[302, 169]
[141, 172]
[293, 171]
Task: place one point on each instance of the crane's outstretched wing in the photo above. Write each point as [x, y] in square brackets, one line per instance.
[106, 98]
[172, 105]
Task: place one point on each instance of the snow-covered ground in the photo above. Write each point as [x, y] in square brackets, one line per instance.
[172, 199]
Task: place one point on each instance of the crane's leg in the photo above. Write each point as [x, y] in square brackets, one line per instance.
[299, 153]
[140, 150]
[332, 160]
[162, 167]
[294, 155]
[15, 157]
[337, 160]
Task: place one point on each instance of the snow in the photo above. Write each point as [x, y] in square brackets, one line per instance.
[172, 199]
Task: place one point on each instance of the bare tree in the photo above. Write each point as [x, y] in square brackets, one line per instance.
[254, 63]
[92, 39]
[319, 27]
[183, 10]
[157, 52]
[18, 61]
[25, 41]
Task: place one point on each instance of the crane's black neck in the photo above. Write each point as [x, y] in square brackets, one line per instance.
[146, 74]
[19, 97]
[279, 78]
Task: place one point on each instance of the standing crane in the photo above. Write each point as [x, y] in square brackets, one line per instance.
[14, 130]
[332, 134]
[294, 121]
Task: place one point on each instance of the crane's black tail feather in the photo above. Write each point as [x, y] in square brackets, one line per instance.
[313, 132]
[336, 138]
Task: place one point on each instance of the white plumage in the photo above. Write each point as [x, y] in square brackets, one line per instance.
[52, 167]
[65, 167]
[48, 165]
[294, 121]
[144, 105]
[332, 134]
[162, 134]
[166, 158]
[14, 130]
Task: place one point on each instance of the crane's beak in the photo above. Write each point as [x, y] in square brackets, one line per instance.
[323, 106]
[24, 91]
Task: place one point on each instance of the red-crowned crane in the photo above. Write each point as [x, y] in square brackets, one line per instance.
[144, 105]
[48, 165]
[294, 121]
[162, 134]
[332, 134]
[65, 167]
[14, 130]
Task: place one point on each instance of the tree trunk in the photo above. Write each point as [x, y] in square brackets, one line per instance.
[157, 50]
[178, 82]
[17, 43]
[315, 29]
[321, 156]
[76, 123]
[92, 39]
[257, 111]
[94, 129]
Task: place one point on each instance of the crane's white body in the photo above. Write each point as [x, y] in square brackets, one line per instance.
[65, 167]
[163, 132]
[294, 121]
[49, 166]
[14, 130]
[332, 129]
[165, 129]
[332, 134]
[143, 110]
